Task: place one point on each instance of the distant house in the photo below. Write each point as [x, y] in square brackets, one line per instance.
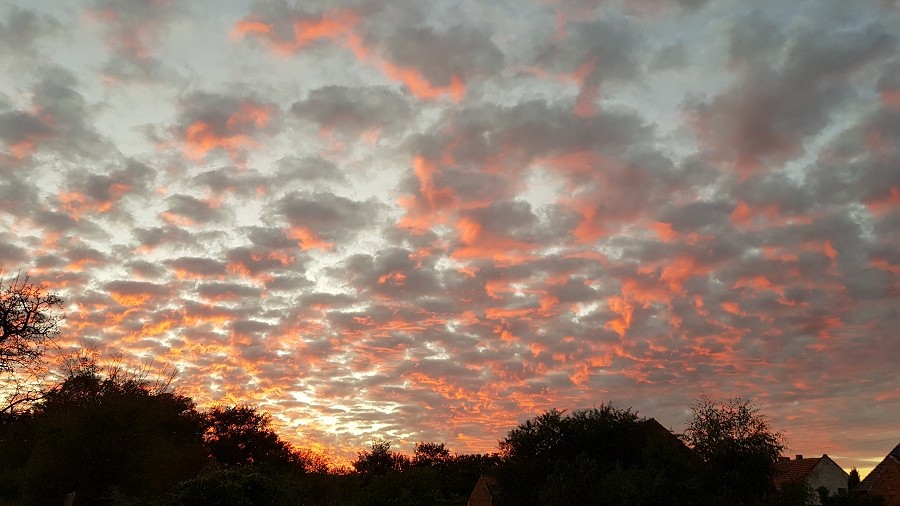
[813, 473]
[484, 493]
[884, 480]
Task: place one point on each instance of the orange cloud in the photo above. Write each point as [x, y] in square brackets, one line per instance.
[340, 27]
[625, 310]
[664, 231]
[879, 206]
[308, 239]
[77, 204]
[428, 208]
[891, 98]
[425, 170]
[22, 149]
[200, 138]
[475, 242]
[421, 87]
[235, 136]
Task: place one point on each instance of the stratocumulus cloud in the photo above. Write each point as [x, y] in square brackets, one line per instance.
[427, 221]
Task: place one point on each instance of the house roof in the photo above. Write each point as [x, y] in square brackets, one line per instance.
[486, 489]
[875, 474]
[793, 471]
[491, 483]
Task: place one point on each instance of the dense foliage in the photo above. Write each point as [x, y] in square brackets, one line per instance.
[598, 456]
[738, 445]
[114, 438]
[101, 438]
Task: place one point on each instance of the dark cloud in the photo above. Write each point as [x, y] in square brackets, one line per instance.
[319, 220]
[197, 266]
[21, 33]
[594, 52]
[441, 56]
[671, 57]
[134, 30]
[355, 111]
[290, 169]
[762, 122]
[185, 210]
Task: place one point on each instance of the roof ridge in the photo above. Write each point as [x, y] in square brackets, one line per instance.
[895, 452]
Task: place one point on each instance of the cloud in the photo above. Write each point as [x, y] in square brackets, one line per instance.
[354, 213]
[133, 32]
[761, 122]
[209, 123]
[23, 32]
[320, 220]
[368, 111]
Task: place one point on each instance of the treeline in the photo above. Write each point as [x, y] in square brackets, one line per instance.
[114, 438]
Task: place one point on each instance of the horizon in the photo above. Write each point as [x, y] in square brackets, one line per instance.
[432, 221]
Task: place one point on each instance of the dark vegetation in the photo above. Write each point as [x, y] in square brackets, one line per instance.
[117, 437]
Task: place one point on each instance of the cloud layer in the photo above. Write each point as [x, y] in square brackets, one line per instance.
[430, 222]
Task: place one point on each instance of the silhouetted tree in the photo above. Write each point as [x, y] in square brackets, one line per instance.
[245, 486]
[241, 436]
[105, 437]
[738, 445]
[853, 480]
[598, 456]
[379, 460]
[29, 322]
[431, 455]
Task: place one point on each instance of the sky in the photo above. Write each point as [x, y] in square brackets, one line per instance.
[432, 220]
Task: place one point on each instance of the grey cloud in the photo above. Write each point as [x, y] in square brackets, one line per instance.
[292, 169]
[197, 265]
[227, 291]
[288, 283]
[670, 57]
[17, 127]
[12, 255]
[195, 211]
[22, 31]
[610, 45]
[762, 118]
[352, 111]
[330, 216]
[890, 78]
[145, 269]
[700, 216]
[158, 236]
[134, 30]
[390, 271]
[230, 179]
[270, 238]
[440, 55]
[753, 38]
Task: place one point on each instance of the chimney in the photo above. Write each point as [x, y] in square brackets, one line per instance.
[799, 457]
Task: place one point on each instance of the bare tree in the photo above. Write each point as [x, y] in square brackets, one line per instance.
[29, 322]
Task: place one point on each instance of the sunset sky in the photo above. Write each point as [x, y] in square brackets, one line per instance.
[432, 220]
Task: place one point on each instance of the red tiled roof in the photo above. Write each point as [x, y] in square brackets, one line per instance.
[884, 480]
[793, 471]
